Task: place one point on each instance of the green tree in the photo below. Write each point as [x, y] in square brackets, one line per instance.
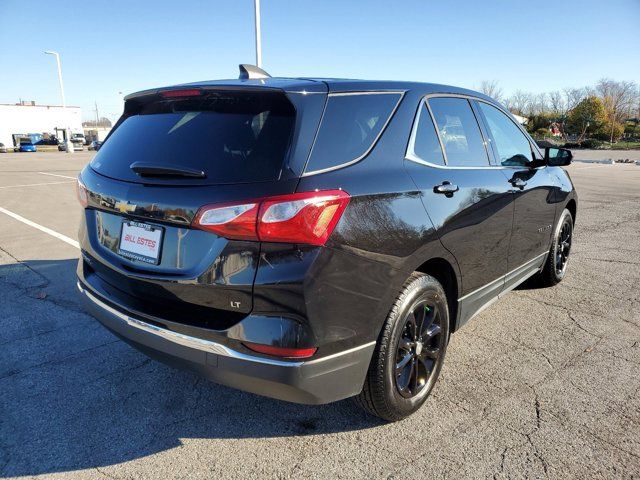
[610, 132]
[587, 117]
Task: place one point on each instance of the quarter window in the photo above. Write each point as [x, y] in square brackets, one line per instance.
[350, 125]
[459, 132]
[425, 141]
[510, 145]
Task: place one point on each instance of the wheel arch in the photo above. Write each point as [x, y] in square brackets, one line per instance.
[443, 271]
[572, 206]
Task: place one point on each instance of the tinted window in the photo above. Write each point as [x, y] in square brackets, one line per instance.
[509, 143]
[459, 132]
[231, 137]
[350, 125]
[425, 144]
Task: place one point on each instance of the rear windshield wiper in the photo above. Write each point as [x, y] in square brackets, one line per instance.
[155, 170]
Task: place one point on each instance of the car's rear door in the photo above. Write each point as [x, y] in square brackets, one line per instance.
[533, 189]
[466, 198]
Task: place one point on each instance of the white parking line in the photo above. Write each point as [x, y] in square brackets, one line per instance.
[46, 230]
[56, 175]
[35, 184]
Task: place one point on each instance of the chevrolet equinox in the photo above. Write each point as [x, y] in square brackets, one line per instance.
[316, 239]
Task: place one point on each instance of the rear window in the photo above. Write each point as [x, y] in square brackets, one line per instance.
[233, 138]
[350, 125]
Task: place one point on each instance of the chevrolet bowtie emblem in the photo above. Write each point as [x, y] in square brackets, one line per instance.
[125, 207]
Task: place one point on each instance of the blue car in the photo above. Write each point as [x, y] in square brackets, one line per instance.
[27, 147]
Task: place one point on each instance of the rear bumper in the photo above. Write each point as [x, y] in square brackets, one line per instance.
[318, 381]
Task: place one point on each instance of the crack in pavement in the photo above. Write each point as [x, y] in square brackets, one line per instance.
[128, 368]
[517, 343]
[56, 361]
[35, 335]
[105, 474]
[28, 290]
[567, 310]
[625, 262]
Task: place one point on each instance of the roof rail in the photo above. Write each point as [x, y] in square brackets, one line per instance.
[251, 71]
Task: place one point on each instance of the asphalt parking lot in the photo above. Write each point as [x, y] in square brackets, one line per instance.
[544, 383]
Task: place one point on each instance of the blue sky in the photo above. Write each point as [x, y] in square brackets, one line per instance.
[123, 46]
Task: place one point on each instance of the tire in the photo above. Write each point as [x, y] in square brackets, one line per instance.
[386, 393]
[552, 274]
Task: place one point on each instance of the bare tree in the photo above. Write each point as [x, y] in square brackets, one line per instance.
[518, 103]
[537, 104]
[557, 103]
[618, 99]
[102, 122]
[491, 88]
[573, 96]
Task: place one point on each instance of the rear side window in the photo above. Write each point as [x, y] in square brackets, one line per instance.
[426, 146]
[350, 125]
[459, 132]
[232, 137]
[511, 146]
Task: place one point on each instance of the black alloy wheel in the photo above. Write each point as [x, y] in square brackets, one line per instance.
[418, 348]
[555, 266]
[563, 246]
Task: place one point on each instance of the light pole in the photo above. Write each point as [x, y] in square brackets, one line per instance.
[69, 145]
[256, 4]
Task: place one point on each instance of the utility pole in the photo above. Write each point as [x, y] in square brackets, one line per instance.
[69, 145]
[256, 4]
[95, 137]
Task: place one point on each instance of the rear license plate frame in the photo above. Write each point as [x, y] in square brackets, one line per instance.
[131, 255]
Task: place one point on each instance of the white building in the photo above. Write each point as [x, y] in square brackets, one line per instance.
[521, 120]
[28, 118]
[96, 133]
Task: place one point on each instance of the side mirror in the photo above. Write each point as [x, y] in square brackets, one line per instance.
[557, 157]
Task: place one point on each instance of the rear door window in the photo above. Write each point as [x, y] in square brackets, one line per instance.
[350, 125]
[425, 145]
[459, 132]
[233, 138]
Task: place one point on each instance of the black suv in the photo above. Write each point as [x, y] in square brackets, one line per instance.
[315, 239]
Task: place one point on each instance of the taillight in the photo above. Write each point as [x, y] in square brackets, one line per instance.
[81, 191]
[281, 351]
[234, 221]
[307, 217]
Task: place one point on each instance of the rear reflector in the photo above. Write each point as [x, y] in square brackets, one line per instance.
[306, 217]
[191, 92]
[280, 351]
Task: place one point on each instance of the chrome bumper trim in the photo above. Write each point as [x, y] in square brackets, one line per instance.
[202, 344]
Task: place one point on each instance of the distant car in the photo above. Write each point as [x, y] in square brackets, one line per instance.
[27, 147]
[95, 145]
[77, 146]
[78, 137]
[3, 149]
[49, 141]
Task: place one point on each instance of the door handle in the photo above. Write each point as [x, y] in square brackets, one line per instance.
[447, 188]
[518, 182]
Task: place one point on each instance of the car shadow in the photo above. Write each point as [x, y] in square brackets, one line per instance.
[73, 396]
